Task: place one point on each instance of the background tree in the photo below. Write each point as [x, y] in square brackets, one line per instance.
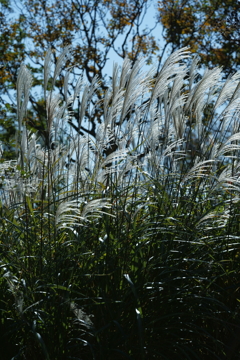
[209, 27]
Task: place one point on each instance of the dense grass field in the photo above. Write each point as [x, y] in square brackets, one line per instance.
[125, 245]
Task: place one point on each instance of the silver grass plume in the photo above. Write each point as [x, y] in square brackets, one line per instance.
[66, 53]
[24, 83]
[47, 70]
[69, 215]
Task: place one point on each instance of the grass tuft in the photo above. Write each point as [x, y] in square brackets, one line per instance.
[124, 245]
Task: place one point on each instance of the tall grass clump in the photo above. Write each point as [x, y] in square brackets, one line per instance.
[124, 245]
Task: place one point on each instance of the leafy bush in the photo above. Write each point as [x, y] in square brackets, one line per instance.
[126, 245]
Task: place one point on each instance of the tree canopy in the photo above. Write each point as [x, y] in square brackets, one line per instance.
[209, 27]
[98, 29]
